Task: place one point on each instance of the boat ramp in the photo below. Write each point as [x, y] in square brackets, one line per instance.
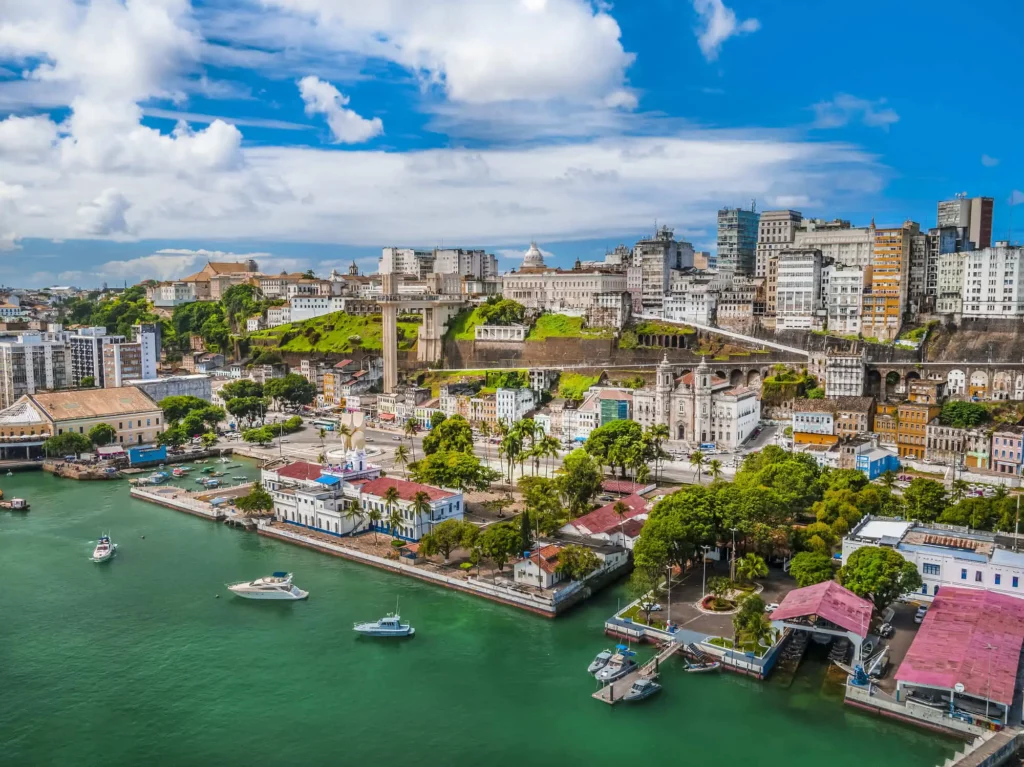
[612, 693]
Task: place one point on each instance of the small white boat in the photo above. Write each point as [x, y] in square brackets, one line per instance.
[105, 549]
[641, 689]
[276, 586]
[618, 666]
[389, 626]
[599, 662]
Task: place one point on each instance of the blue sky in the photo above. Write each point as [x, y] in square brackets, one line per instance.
[139, 140]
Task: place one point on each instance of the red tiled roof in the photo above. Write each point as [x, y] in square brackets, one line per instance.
[617, 395]
[547, 558]
[604, 519]
[406, 490]
[830, 601]
[952, 645]
[631, 527]
[300, 470]
[623, 486]
[343, 364]
[688, 380]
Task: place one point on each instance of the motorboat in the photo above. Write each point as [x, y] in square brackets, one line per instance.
[276, 586]
[600, 661]
[158, 477]
[617, 667]
[212, 483]
[389, 626]
[641, 689]
[240, 478]
[225, 460]
[105, 549]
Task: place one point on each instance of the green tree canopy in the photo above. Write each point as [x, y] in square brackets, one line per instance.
[451, 434]
[610, 444]
[243, 387]
[542, 499]
[293, 389]
[579, 482]
[499, 543]
[102, 434]
[68, 443]
[503, 311]
[248, 409]
[447, 536]
[454, 469]
[982, 513]
[642, 582]
[924, 499]
[963, 415]
[576, 562]
[880, 574]
[87, 381]
[677, 526]
[173, 435]
[257, 501]
[261, 436]
[809, 568]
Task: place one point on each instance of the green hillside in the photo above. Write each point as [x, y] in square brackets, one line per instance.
[339, 333]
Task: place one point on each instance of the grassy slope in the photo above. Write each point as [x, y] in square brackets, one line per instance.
[335, 330]
[461, 327]
[561, 326]
[573, 385]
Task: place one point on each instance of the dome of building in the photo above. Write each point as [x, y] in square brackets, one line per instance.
[533, 256]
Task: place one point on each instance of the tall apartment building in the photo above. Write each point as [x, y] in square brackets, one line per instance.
[844, 300]
[476, 264]
[32, 362]
[886, 300]
[949, 297]
[86, 350]
[993, 283]
[917, 272]
[844, 374]
[122, 363]
[972, 214]
[838, 241]
[942, 241]
[776, 230]
[148, 336]
[657, 256]
[737, 240]
[798, 290]
[418, 263]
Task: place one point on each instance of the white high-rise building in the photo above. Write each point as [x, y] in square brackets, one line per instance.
[147, 335]
[418, 263]
[657, 257]
[476, 264]
[86, 349]
[838, 241]
[798, 290]
[994, 283]
[843, 302]
[950, 293]
[776, 231]
[32, 362]
[972, 214]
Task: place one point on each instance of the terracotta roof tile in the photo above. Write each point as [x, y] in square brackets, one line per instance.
[406, 490]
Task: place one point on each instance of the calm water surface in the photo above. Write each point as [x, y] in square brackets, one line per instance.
[137, 662]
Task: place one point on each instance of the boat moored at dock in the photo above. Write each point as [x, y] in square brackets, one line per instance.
[600, 661]
[618, 666]
[642, 688]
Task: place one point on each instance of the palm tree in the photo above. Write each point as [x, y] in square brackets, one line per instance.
[375, 518]
[402, 457]
[715, 469]
[485, 435]
[322, 434]
[697, 461]
[750, 567]
[410, 432]
[394, 520]
[421, 507]
[659, 433]
[643, 474]
[344, 433]
[621, 510]
[1000, 493]
[550, 445]
[354, 514]
[888, 479]
[959, 488]
[391, 498]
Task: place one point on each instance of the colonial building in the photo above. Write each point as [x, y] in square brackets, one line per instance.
[698, 407]
[547, 289]
[214, 279]
[950, 445]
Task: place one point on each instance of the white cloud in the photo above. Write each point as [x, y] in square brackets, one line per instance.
[31, 136]
[347, 127]
[11, 196]
[718, 23]
[474, 52]
[989, 162]
[844, 109]
[104, 216]
[1016, 197]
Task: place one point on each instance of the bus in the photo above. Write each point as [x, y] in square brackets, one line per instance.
[325, 424]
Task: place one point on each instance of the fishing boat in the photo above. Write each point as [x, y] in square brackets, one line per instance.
[200, 480]
[208, 469]
[212, 483]
[389, 626]
[600, 661]
[617, 667]
[105, 549]
[158, 477]
[216, 473]
[697, 661]
[233, 466]
[641, 689]
[277, 586]
[240, 479]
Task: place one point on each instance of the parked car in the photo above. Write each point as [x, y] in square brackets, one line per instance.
[396, 438]
[886, 630]
[921, 612]
[771, 607]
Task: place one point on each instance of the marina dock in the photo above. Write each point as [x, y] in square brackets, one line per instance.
[612, 693]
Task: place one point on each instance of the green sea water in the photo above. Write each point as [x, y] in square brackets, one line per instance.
[147, 660]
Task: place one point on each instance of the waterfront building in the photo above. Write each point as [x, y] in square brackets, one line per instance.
[86, 350]
[798, 289]
[993, 283]
[951, 445]
[945, 555]
[698, 407]
[837, 241]
[604, 524]
[737, 240]
[30, 363]
[443, 505]
[886, 300]
[844, 298]
[540, 569]
[196, 385]
[136, 418]
[776, 231]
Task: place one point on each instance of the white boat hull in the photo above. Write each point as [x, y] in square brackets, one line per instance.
[379, 633]
[288, 596]
[104, 556]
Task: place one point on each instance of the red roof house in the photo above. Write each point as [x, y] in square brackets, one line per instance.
[830, 601]
[406, 490]
[605, 519]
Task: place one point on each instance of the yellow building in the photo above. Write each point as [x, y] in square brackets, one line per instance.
[886, 299]
[912, 428]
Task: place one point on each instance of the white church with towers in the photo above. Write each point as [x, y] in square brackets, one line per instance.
[698, 407]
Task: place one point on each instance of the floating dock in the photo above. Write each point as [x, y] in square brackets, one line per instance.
[612, 693]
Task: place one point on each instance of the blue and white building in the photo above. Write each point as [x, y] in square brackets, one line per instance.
[874, 463]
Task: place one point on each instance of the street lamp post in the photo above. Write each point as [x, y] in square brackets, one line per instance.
[732, 564]
[704, 578]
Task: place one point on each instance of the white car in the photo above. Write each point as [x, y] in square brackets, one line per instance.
[771, 607]
[921, 612]
[396, 439]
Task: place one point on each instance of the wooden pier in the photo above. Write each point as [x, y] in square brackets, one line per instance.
[612, 693]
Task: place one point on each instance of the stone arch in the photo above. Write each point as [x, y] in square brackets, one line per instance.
[754, 378]
[956, 381]
[1002, 385]
[911, 376]
[979, 383]
[1018, 387]
[722, 374]
[892, 379]
[873, 383]
[736, 378]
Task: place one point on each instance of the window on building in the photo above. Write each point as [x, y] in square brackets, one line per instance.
[963, 575]
[977, 576]
[1015, 581]
[931, 569]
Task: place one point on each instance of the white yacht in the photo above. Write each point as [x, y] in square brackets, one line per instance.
[389, 626]
[276, 586]
[105, 549]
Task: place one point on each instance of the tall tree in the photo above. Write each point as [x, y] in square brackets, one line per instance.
[524, 532]
[751, 567]
[420, 507]
[579, 482]
[576, 562]
[809, 568]
[102, 434]
[402, 458]
[697, 461]
[925, 499]
[391, 499]
[880, 574]
[453, 433]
